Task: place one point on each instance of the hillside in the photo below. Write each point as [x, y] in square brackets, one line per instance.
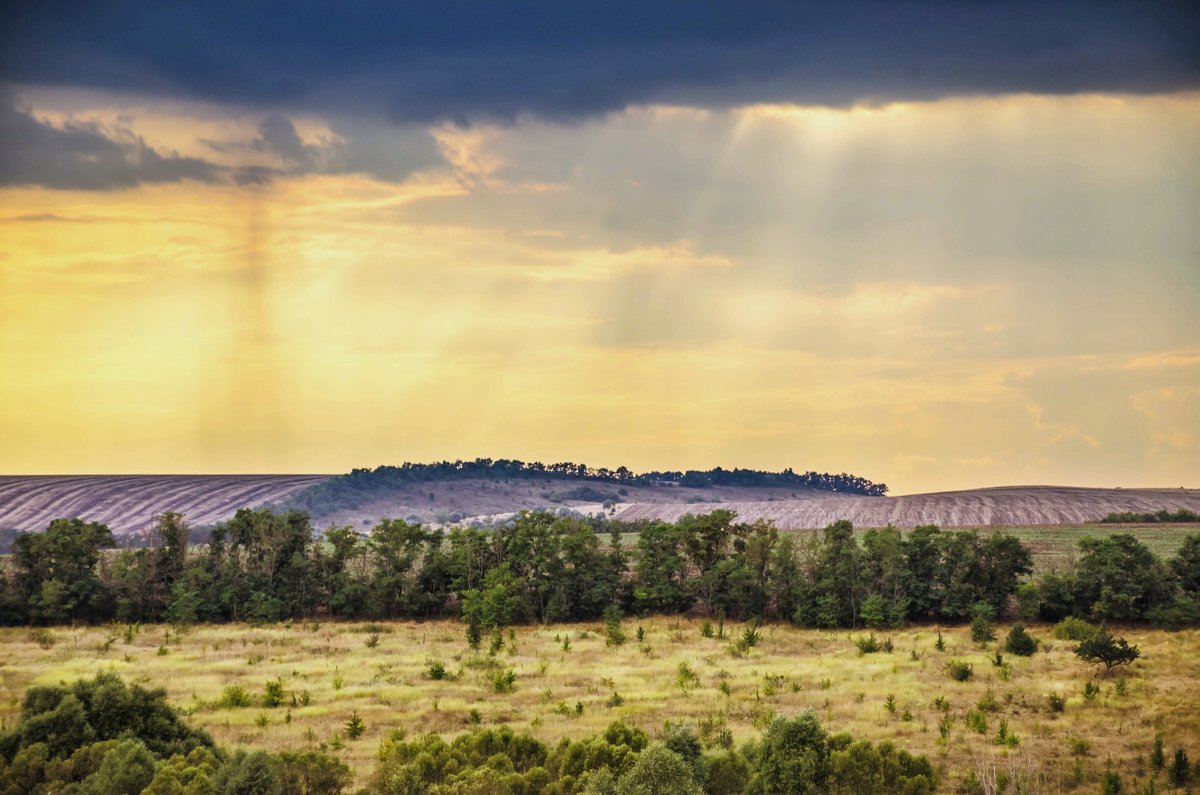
[1009, 506]
[128, 503]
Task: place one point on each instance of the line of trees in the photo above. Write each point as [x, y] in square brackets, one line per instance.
[1119, 579]
[102, 737]
[1181, 516]
[264, 566]
[360, 485]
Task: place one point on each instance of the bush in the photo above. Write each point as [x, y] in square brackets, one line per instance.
[867, 644]
[235, 697]
[614, 635]
[1020, 642]
[273, 694]
[1071, 628]
[1180, 772]
[1056, 702]
[437, 670]
[960, 670]
[982, 629]
[1103, 648]
[976, 721]
[503, 681]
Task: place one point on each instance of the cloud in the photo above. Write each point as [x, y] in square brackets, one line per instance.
[463, 60]
[83, 155]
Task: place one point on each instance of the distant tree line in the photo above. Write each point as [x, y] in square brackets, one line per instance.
[360, 485]
[263, 566]
[1119, 579]
[103, 737]
[1183, 515]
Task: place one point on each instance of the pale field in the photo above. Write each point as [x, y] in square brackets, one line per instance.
[390, 688]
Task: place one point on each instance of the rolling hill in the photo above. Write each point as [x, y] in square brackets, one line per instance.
[128, 503]
[1005, 506]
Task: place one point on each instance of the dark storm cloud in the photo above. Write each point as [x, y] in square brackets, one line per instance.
[84, 155]
[476, 59]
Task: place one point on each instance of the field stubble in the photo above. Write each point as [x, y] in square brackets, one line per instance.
[333, 672]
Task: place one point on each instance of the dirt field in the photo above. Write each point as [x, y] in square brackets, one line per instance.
[128, 503]
[1006, 506]
[334, 672]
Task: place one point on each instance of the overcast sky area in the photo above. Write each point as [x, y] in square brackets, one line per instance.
[939, 245]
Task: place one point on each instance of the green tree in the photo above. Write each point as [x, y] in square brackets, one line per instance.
[127, 769]
[1103, 648]
[250, 773]
[1119, 579]
[792, 758]
[1186, 565]
[56, 571]
[1019, 641]
[659, 771]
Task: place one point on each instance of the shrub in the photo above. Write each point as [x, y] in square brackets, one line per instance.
[867, 644]
[1103, 648]
[1071, 628]
[751, 635]
[437, 670]
[940, 643]
[1090, 691]
[686, 678]
[1005, 737]
[1157, 759]
[960, 670]
[42, 637]
[503, 681]
[235, 697]
[355, 726]
[614, 635]
[976, 721]
[1020, 642]
[273, 694]
[1180, 772]
[989, 703]
[982, 628]
[1056, 702]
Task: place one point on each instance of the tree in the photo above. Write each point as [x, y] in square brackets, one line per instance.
[658, 771]
[56, 570]
[1103, 648]
[793, 757]
[1120, 579]
[1020, 642]
[249, 773]
[1186, 565]
[127, 769]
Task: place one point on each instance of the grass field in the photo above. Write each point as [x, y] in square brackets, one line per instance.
[334, 671]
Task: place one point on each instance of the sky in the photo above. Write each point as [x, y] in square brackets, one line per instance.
[938, 245]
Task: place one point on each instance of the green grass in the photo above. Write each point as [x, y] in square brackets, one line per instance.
[789, 670]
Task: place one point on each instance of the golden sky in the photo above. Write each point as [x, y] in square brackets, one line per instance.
[935, 295]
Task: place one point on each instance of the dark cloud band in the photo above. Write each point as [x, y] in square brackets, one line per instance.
[476, 59]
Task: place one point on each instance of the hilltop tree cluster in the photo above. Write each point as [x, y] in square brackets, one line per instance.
[361, 485]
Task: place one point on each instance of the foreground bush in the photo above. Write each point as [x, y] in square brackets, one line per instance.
[103, 737]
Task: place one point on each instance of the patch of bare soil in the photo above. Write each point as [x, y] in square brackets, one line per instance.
[129, 503]
[1009, 506]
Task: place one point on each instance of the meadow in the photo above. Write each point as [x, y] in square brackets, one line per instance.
[568, 681]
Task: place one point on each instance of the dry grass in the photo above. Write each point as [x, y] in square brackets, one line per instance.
[789, 671]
